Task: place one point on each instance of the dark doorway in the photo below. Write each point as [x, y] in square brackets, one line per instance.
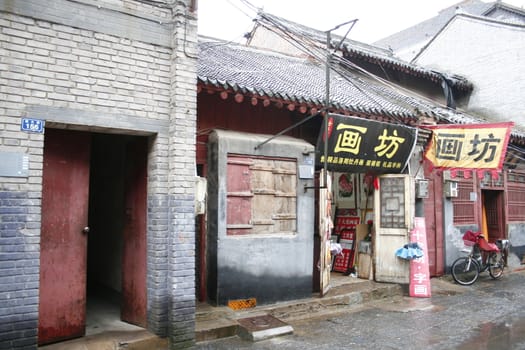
[94, 193]
[117, 219]
[494, 210]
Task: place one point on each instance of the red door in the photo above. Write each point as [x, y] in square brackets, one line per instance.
[63, 243]
[133, 308]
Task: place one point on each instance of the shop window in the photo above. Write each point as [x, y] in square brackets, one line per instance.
[262, 195]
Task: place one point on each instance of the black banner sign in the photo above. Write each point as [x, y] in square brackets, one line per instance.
[360, 145]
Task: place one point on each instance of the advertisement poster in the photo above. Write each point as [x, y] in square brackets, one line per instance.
[346, 190]
[346, 222]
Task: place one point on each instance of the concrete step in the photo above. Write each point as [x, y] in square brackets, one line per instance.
[114, 340]
[346, 292]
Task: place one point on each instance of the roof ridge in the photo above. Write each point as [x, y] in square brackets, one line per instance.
[222, 42]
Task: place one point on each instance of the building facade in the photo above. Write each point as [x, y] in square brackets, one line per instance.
[97, 147]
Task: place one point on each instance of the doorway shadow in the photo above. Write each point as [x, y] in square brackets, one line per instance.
[103, 312]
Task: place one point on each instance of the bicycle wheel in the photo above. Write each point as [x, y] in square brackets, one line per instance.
[465, 271]
[496, 265]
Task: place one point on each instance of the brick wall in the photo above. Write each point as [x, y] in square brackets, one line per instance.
[181, 179]
[105, 66]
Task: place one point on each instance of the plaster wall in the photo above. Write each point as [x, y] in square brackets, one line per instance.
[268, 267]
[489, 54]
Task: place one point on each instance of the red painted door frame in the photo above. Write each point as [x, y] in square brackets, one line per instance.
[134, 292]
[433, 211]
[63, 244]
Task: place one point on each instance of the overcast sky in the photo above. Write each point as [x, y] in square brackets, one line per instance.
[376, 19]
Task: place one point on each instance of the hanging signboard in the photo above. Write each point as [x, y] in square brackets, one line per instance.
[474, 146]
[360, 145]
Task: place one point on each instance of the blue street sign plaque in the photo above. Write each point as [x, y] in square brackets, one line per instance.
[32, 125]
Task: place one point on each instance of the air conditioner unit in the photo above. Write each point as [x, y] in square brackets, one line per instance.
[422, 188]
[450, 188]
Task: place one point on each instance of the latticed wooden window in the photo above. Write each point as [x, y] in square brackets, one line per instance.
[516, 197]
[262, 195]
[393, 202]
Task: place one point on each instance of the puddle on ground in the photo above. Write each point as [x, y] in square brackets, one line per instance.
[497, 335]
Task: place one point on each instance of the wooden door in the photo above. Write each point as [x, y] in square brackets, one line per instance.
[394, 211]
[240, 196]
[494, 211]
[63, 242]
[133, 308]
[325, 229]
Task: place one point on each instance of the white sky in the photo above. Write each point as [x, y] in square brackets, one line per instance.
[376, 19]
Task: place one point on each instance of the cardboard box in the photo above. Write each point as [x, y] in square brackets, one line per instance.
[364, 266]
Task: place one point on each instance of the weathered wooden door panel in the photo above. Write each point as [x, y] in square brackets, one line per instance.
[239, 197]
[134, 292]
[63, 244]
[393, 205]
[494, 211]
[325, 228]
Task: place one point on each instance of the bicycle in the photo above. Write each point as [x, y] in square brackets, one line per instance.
[482, 256]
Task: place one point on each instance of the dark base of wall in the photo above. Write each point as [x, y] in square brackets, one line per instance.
[266, 289]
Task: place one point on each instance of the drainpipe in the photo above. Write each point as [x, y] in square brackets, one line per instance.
[447, 91]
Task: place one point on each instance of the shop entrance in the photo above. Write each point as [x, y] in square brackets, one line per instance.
[93, 236]
[493, 214]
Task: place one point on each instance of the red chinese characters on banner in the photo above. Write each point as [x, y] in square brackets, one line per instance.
[345, 226]
[342, 260]
[419, 270]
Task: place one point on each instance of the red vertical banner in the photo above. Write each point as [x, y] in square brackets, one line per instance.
[345, 226]
[419, 270]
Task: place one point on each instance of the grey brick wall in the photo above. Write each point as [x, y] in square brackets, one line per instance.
[19, 274]
[109, 66]
[181, 151]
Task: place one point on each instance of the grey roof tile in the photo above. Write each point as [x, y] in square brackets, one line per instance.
[226, 65]
[353, 48]
[241, 68]
[427, 29]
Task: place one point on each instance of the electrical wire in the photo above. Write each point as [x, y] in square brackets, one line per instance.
[311, 47]
[248, 29]
[252, 7]
[307, 44]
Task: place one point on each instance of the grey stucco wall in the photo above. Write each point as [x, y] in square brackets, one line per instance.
[485, 53]
[268, 267]
[112, 67]
[516, 235]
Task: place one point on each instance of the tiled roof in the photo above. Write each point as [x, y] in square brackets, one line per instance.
[226, 66]
[269, 74]
[425, 30]
[507, 13]
[366, 52]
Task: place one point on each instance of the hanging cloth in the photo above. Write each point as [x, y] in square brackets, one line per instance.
[410, 251]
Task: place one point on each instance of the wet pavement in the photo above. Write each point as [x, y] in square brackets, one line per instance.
[487, 315]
